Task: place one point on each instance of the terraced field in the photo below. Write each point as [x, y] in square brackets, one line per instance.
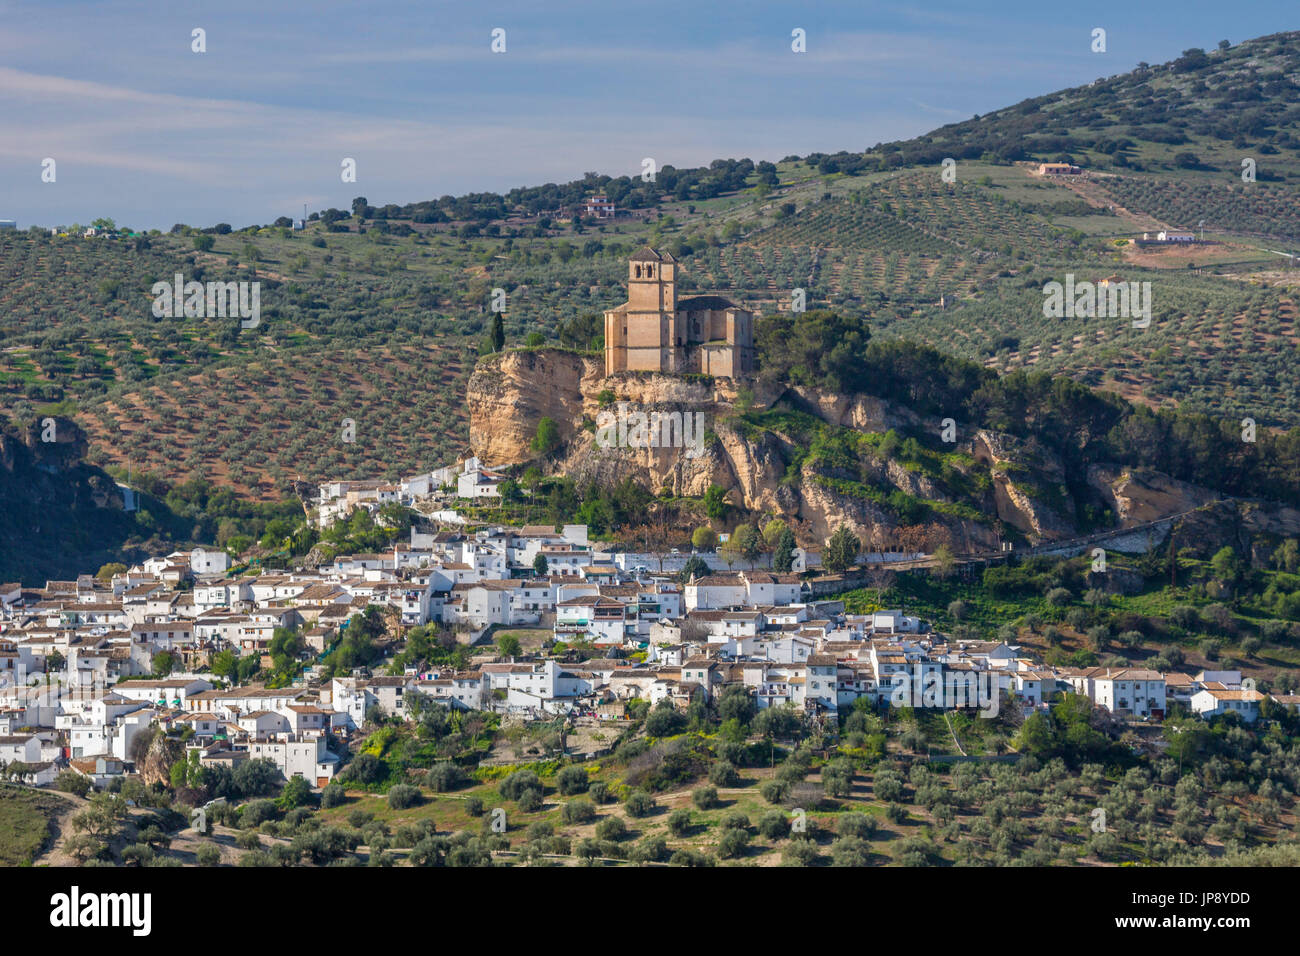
[1224, 203]
[259, 425]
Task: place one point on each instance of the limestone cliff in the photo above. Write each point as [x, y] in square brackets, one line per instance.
[817, 459]
[1139, 495]
[510, 393]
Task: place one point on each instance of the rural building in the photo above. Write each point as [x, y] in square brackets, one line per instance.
[600, 207]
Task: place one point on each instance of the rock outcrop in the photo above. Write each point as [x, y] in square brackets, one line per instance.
[1138, 495]
[510, 393]
[58, 514]
[992, 484]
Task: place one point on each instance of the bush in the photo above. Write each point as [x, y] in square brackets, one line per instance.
[773, 825]
[733, 844]
[297, 792]
[850, 851]
[1059, 597]
[572, 781]
[691, 858]
[640, 804]
[734, 820]
[578, 811]
[799, 853]
[611, 828]
[650, 850]
[256, 812]
[599, 792]
[587, 850]
[444, 776]
[774, 791]
[837, 779]
[209, 854]
[332, 796]
[474, 806]
[664, 721]
[358, 818]
[364, 769]
[706, 798]
[513, 786]
[530, 801]
[403, 796]
[857, 825]
[679, 822]
[69, 781]
[723, 774]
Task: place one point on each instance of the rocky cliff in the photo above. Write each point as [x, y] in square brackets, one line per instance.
[59, 517]
[815, 458]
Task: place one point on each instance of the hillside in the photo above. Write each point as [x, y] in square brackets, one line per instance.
[376, 314]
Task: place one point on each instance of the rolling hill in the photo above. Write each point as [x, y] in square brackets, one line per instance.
[377, 314]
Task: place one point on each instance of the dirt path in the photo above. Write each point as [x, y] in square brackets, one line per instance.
[60, 831]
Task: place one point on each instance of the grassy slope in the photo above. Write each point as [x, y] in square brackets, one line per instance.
[24, 823]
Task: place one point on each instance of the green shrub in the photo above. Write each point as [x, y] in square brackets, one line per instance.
[514, 786]
[444, 776]
[611, 828]
[799, 853]
[572, 781]
[773, 825]
[403, 796]
[639, 804]
[774, 791]
[857, 825]
[679, 822]
[706, 798]
[724, 774]
[578, 811]
[208, 854]
[733, 844]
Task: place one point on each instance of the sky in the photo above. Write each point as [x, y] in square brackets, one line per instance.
[146, 131]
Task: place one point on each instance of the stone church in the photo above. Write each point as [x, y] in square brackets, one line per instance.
[654, 331]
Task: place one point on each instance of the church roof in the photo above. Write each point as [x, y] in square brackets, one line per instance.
[646, 254]
[704, 303]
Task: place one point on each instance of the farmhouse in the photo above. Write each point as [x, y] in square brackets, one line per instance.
[1058, 169]
[600, 207]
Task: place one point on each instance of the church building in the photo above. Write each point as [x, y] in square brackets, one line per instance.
[654, 331]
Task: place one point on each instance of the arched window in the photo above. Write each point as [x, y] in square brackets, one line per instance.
[638, 272]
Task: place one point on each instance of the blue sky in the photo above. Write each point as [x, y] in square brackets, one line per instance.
[149, 133]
